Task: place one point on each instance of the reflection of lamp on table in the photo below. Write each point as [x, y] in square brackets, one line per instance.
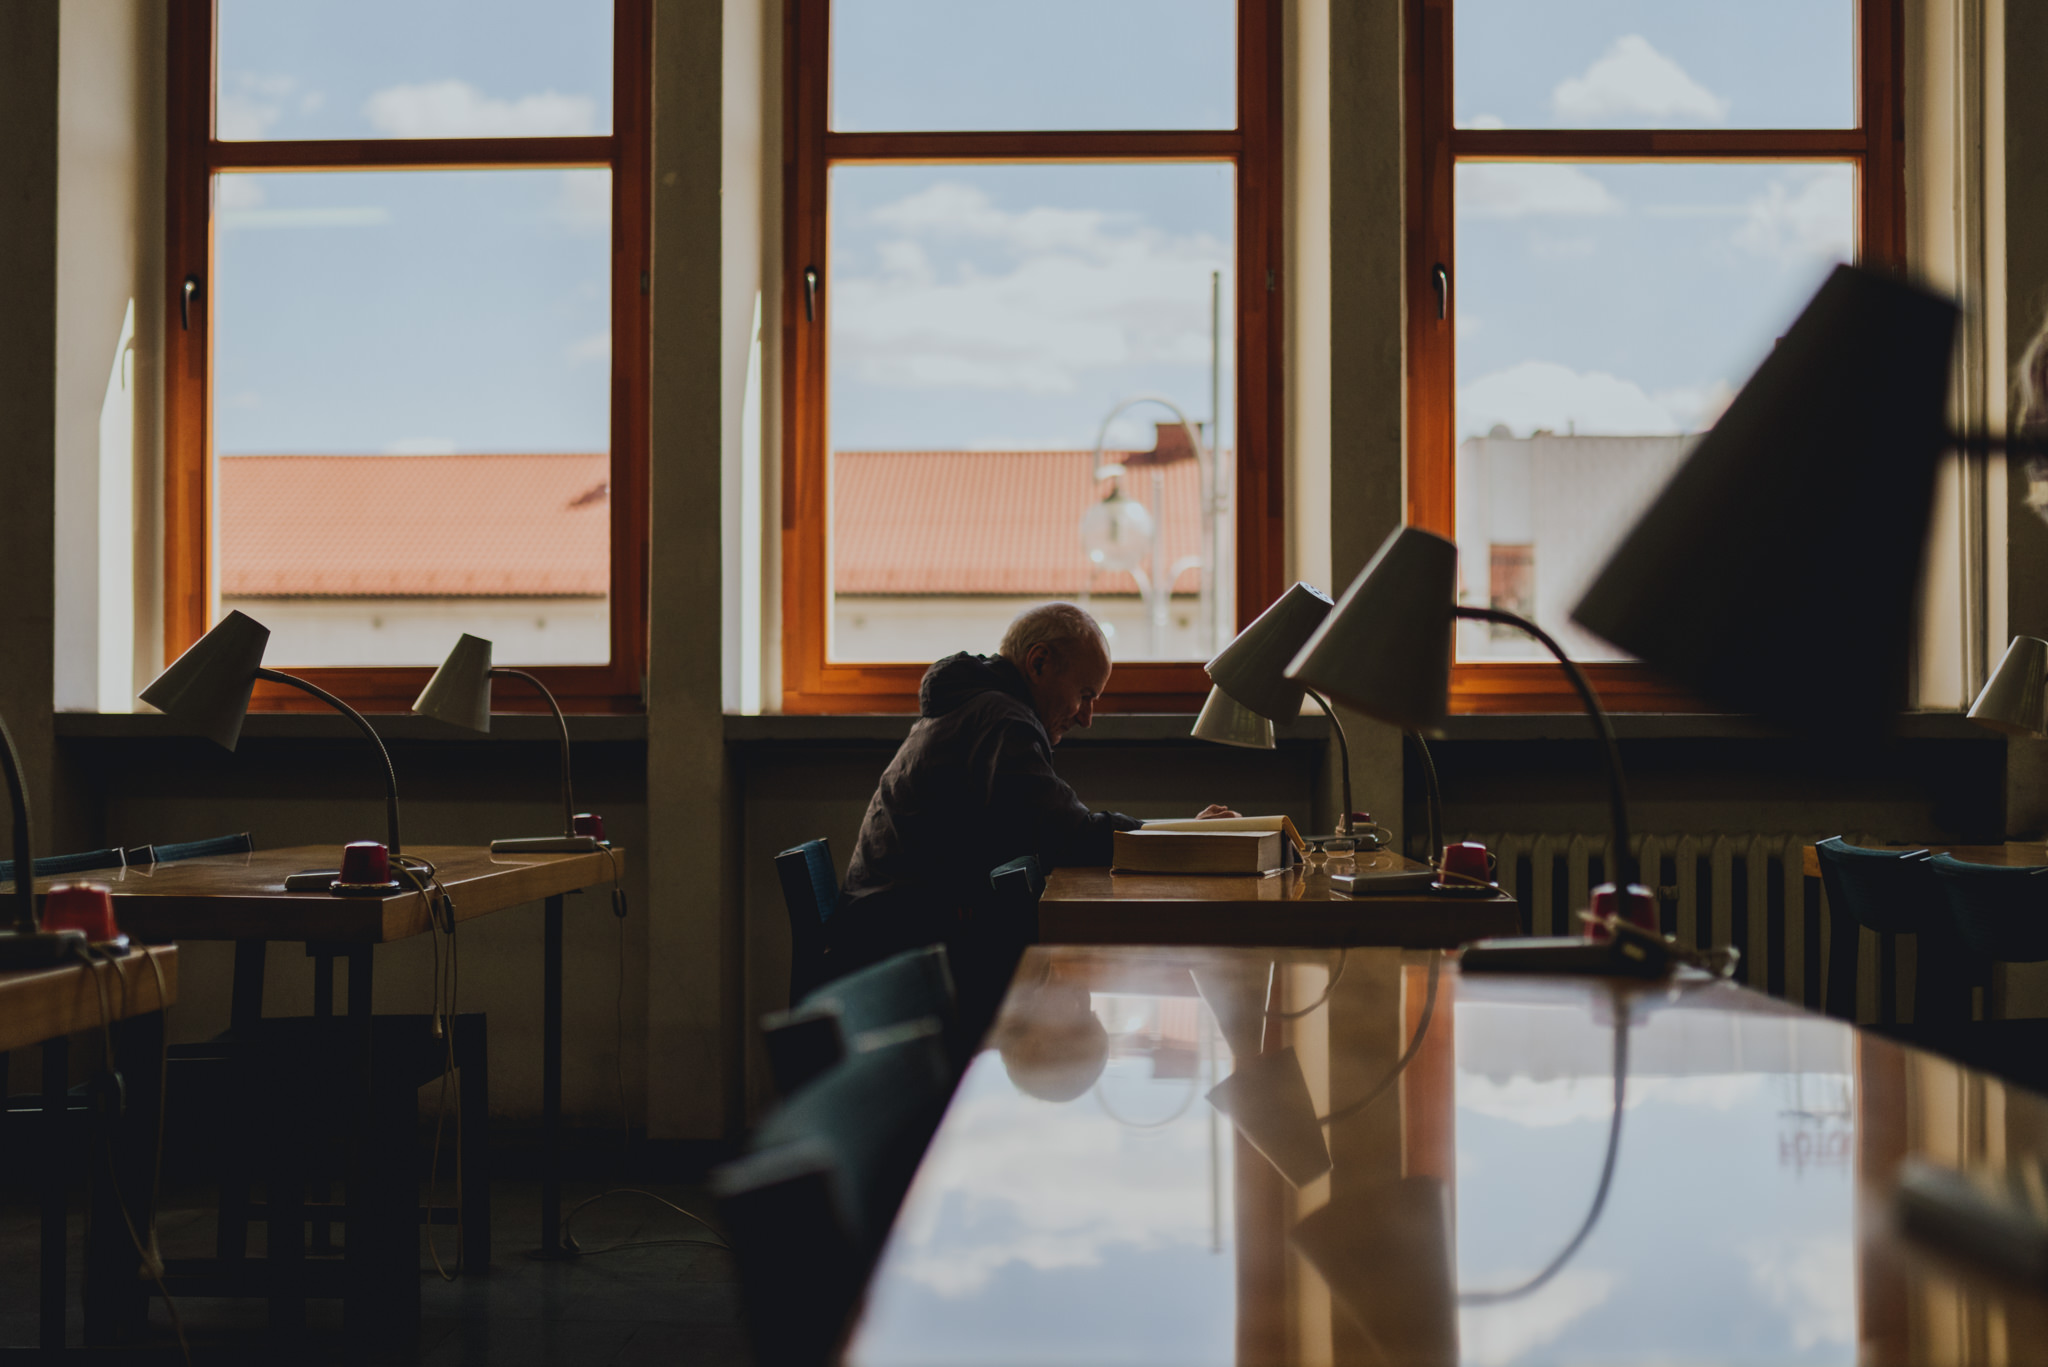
[460, 693]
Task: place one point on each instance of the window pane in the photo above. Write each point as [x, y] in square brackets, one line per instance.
[986, 323]
[411, 412]
[1606, 315]
[1655, 64]
[979, 65]
[413, 68]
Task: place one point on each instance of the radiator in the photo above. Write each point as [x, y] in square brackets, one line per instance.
[1744, 889]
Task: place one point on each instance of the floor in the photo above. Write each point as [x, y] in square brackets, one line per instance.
[664, 1302]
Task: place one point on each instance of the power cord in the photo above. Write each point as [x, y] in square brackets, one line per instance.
[715, 1241]
[147, 1251]
[440, 909]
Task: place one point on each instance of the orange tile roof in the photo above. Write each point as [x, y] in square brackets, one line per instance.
[414, 526]
[518, 526]
[985, 522]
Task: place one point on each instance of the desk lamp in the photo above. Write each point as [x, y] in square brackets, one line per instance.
[1251, 691]
[27, 945]
[207, 690]
[460, 694]
[1386, 651]
[2015, 697]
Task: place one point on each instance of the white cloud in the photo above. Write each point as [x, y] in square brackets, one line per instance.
[249, 105]
[237, 192]
[1521, 189]
[596, 347]
[1483, 121]
[1533, 395]
[457, 109]
[1492, 1336]
[1542, 1105]
[1796, 224]
[583, 201]
[1081, 289]
[1812, 1278]
[421, 446]
[340, 216]
[1633, 79]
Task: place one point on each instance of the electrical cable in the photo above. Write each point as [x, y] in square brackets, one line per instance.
[1322, 1001]
[440, 908]
[716, 1240]
[1555, 1265]
[149, 1254]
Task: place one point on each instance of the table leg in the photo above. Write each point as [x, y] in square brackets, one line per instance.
[323, 1009]
[56, 1167]
[360, 1253]
[551, 1245]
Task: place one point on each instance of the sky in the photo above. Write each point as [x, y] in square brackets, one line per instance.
[991, 307]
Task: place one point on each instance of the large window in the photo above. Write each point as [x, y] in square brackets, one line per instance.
[1615, 209]
[406, 337]
[1021, 364]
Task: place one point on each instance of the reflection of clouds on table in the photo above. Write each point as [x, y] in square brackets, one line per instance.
[1021, 1181]
[1497, 1335]
[1813, 1280]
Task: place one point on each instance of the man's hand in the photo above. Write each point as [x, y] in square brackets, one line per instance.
[1212, 811]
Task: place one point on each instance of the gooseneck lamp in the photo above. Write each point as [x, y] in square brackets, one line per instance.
[1251, 690]
[207, 691]
[2015, 698]
[1386, 650]
[460, 694]
[27, 945]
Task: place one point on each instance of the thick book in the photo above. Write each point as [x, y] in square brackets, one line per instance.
[1234, 823]
[1241, 852]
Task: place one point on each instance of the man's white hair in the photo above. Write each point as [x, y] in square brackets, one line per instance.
[1058, 625]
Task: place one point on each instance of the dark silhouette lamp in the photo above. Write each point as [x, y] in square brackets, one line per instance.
[206, 690]
[460, 694]
[26, 944]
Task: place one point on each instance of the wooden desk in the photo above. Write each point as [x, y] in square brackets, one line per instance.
[46, 1006]
[1749, 1218]
[241, 897]
[1298, 907]
[2020, 852]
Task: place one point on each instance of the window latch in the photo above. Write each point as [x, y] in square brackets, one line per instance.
[1440, 281]
[190, 292]
[810, 294]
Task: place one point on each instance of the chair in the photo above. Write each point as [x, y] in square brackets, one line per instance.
[1893, 893]
[811, 1202]
[191, 849]
[810, 890]
[51, 864]
[812, 1036]
[2000, 911]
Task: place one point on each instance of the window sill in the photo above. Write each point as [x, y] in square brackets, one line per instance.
[878, 729]
[1945, 726]
[391, 726]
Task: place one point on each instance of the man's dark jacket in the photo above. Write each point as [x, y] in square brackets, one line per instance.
[971, 788]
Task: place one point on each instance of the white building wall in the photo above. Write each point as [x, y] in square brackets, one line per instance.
[921, 629]
[309, 632]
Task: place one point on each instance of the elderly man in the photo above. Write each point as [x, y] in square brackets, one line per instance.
[973, 787]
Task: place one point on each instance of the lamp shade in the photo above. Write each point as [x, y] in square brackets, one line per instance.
[460, 691]
[207, 689]
[1266, 1096]
[1386, 650]
[1776, 571]
[1252, 669]
[2015, 698]
[1227, 721]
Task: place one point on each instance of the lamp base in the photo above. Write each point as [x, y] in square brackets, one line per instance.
[1624, 956]
[549, 844]
[39, 949]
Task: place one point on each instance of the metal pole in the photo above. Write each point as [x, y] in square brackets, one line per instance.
[1212, 482]
[551, 1085]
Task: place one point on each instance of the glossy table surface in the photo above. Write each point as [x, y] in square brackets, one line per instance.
[1294, 907]
[37, 1004]
[242, 896]
[1085, 1201]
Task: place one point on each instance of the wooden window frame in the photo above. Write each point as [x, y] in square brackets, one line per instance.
[194, 154]
[813, 683]
[1875, 147]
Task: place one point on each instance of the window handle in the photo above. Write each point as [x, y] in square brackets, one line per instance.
[1440, 281]
[810, 294]
[190, 292]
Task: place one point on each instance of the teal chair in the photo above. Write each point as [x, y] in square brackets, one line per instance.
[810, 892]
[1893, 893]
[2000, 911]
[811, 1202]
[812, 1036]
